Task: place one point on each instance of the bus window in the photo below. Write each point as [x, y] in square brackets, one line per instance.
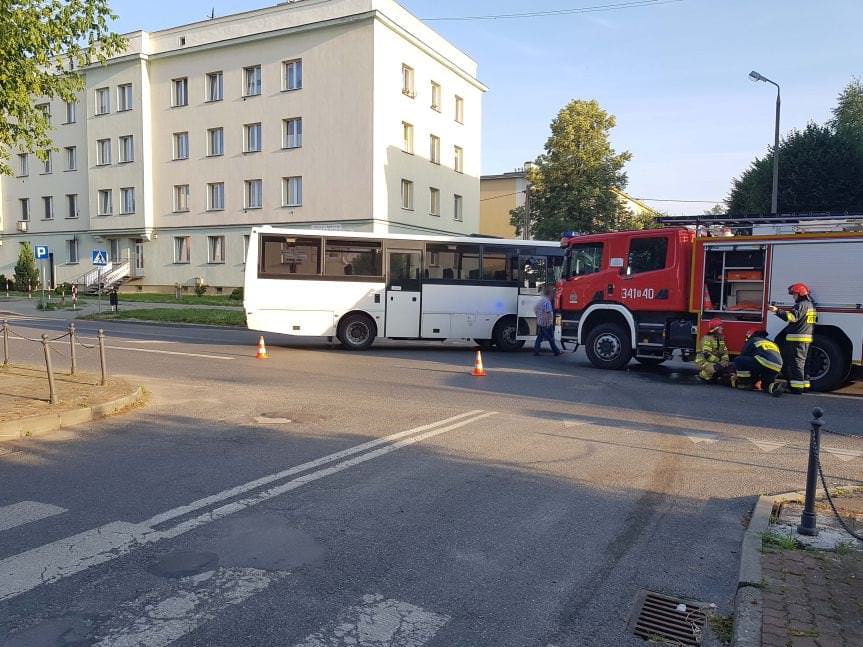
[497, 263]
[353, 258]
[452, 262]
[290, 256]
[533, 273]
[585, 259]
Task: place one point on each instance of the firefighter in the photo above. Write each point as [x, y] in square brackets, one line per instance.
[760, 361]
[712, 358]
[798, 335]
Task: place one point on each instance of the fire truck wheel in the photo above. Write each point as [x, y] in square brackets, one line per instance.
[506, 335]
[826, 365]
[608, 346]
[356, 332]
[650, 361]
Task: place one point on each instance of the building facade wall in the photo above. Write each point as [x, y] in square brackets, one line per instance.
[499, 194]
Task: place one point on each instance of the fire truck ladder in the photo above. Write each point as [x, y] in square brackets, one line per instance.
[788, 222]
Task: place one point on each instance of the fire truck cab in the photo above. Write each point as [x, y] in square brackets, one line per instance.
[644, 294]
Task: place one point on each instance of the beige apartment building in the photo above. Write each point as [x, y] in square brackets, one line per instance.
[499, 194]
[345, 114]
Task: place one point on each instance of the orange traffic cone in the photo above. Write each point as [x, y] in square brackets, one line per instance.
[262, 349]
[478, 370]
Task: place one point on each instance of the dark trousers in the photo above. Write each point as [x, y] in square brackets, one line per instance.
[744, 364]
[794, 354]
[545, 333]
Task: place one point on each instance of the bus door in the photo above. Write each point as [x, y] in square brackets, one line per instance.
[403, 293]
[532, 277]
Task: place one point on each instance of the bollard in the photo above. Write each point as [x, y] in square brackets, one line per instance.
[52, 392]
[101, 337]
[807, 519]
[72, 347]
[5, 343]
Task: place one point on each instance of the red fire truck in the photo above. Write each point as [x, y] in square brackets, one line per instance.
[647, 294]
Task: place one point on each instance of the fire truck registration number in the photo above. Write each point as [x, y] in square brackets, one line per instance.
[639, 293]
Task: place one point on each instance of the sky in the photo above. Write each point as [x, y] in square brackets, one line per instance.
[674, 75]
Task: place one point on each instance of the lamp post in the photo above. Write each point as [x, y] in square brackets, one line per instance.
[525, 225]
[774, 200]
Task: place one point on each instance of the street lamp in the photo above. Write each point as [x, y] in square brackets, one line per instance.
[525, 225]
[774, 201]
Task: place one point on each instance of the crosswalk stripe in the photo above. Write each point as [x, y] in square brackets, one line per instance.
[701, 437]
[843, 454]
[378, 622]
[766, 445]
[160, 617]
[23, 512]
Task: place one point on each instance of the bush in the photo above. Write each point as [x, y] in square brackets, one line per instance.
[26, 273]
[63, 288]
[201, 289]
[237, 294]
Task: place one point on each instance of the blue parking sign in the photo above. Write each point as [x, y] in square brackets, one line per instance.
[41, 252]
[99, 257]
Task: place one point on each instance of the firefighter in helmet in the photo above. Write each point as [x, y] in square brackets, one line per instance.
[760, 361]
[712, 357]
[798, 335]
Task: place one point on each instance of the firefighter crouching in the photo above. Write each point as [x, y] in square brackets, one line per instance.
[798, 335]
[760, 361]
[712, 358]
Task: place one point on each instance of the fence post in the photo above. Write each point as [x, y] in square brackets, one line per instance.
[807, 519]
[5, 343]
[72, 347]
[101, 337]
[51, 390]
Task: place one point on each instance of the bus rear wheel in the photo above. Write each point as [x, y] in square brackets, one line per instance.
[356, 332]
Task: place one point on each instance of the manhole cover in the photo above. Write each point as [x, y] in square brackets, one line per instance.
[664, 617]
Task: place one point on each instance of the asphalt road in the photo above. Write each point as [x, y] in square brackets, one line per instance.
[322, 498]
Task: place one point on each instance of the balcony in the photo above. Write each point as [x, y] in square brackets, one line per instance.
[23, 225]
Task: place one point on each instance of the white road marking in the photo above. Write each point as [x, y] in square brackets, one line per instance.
[23, 512]
[160, 617]
[51, 562]
[264, 420]
[575, 423]
[843, 454]
[701, 437]
[379, 623]
[151, 350]
[766, 445]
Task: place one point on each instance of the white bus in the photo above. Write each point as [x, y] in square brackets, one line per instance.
[359, 286]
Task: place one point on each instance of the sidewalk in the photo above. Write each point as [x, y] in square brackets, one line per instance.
[28, 308]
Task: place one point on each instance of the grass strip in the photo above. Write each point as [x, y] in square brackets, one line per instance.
[207, 316]
[186, 299]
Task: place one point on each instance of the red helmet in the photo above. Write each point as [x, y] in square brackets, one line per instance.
[713, 324]
[799, 290]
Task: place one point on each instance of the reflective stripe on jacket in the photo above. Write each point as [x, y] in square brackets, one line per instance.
[767, 354]
[713, 351]
[801, 322]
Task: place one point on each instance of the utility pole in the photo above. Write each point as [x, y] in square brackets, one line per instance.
[774, 198]
[525, 225]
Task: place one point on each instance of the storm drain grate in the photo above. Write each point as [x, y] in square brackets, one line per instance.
[677, 621]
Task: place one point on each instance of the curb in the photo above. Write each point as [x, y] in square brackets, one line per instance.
[41, 425]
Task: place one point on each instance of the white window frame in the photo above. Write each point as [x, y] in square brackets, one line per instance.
[246, 239]
[125, 98]
[181, 153]
[46, 164]
[103, 152]
[71, 205]
[23, 164]
[459, 109]
[216, 250]
[434, 149]
[180, 92]
[127, 200]
[407, 194]
[25, 209]
[215, 86]
[434, 201]
[211, 134]
[125, 156]
[407, 137]
[408, 81]
[182, 250]
[47, 207]
[181, 198]
[253, 84]
[252, 143]
[458, 208]
[292, 75]
[253, 198]
[71, 112]
[292, 191]
[71, 158]
[292, 132]
[215, 190]
[458, 159]
[436, 96]
[73, 255]
[103, 101]
[104, 202]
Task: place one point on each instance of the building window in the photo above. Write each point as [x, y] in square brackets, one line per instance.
[252, 81]
[45, 108]
[127, 200]
[104, 202]
[408, 88]
[458, 159]
[25, 208]
[72, 250]
[71, 158]
[103, 101]
[124, 97]
[114, 250]
[215, 86]
[246, 239]
[459, 110]
[215, 142]
[216, 196]
[215, 249]
[457, 208]
[292, 191]
[434, 149]
[434, 201]
[127, 149]
[435, 96]
[252, 138]
[48, 207]
[71, 205]
[182, 249]
[407, 194]
[70, 112]
[46, 163]
[103, 152]
[181, 197]
[407, 137]
[254, 197]
[293, 74]
[181, 146]
[23, 165]
[293, 133]
[180, 92]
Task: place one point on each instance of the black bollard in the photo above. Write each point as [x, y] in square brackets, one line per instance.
[807, 519]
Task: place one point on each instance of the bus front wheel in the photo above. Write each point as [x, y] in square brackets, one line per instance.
[356, 332]
[506, 335]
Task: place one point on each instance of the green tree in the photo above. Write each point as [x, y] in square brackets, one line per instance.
[42, 44]
[848, 114]
[716, 210]
[572, 182]
[26, 273]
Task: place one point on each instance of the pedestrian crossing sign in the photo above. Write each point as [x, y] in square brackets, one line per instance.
[99, 257]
